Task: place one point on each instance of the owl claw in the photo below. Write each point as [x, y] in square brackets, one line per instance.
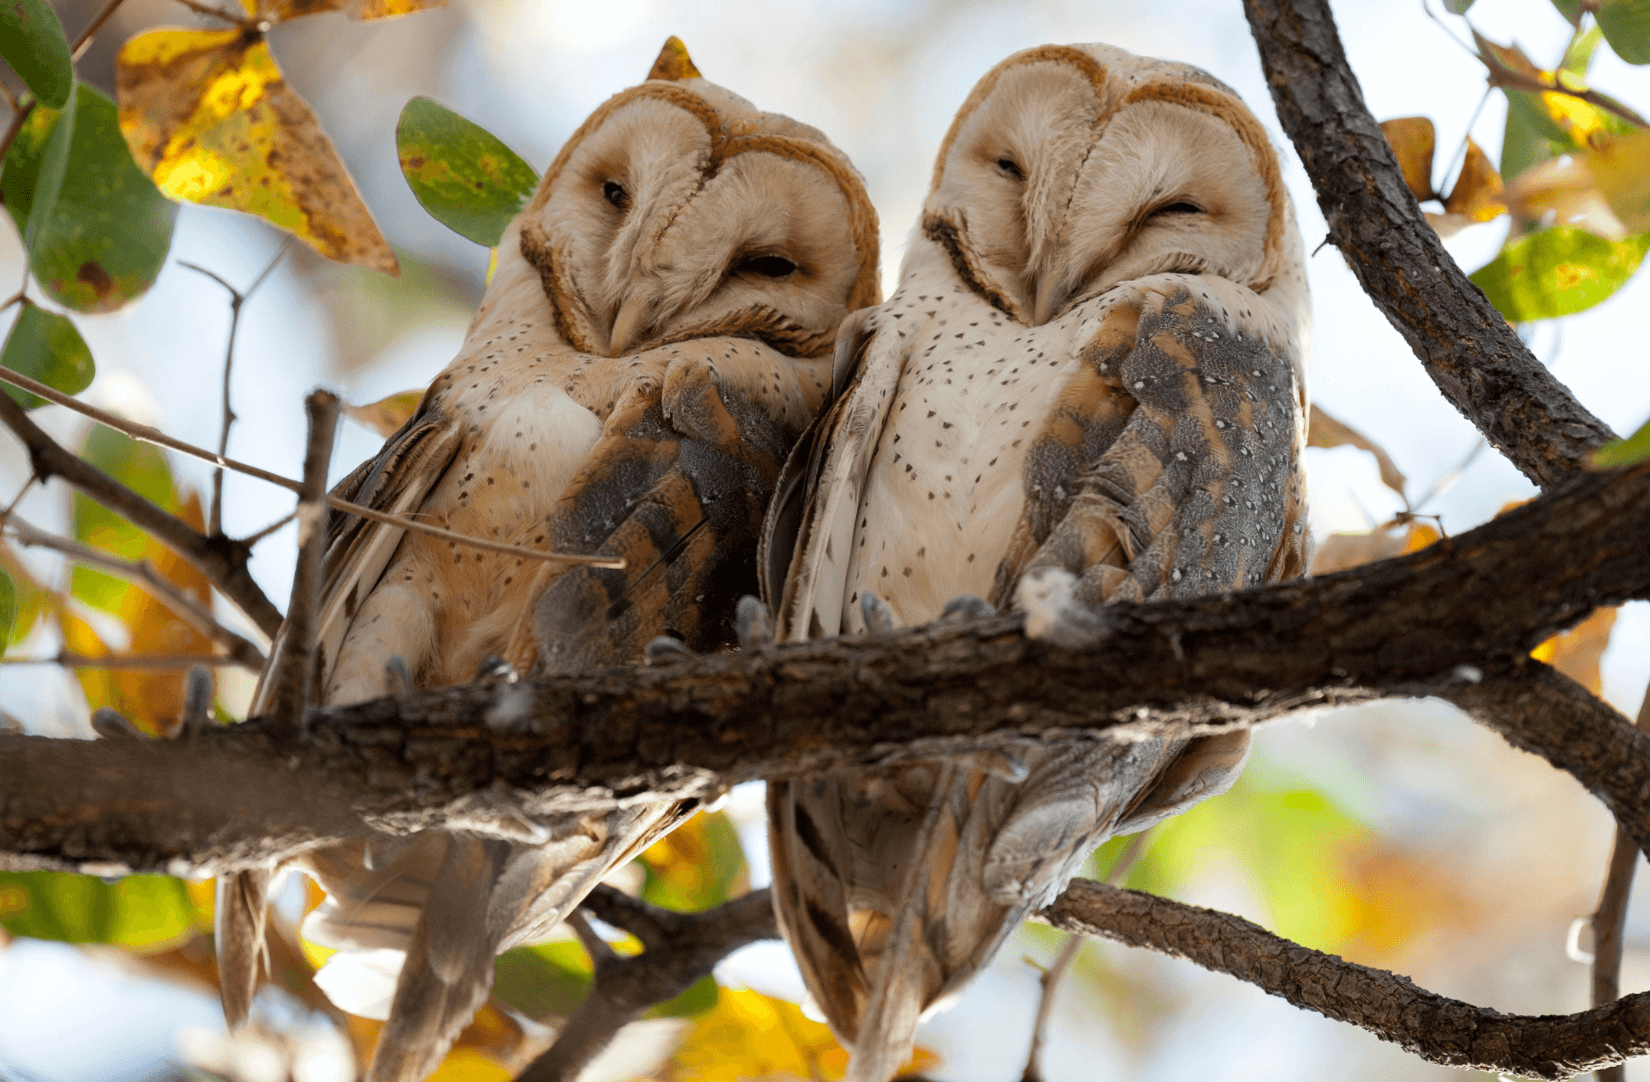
[966, 607]
[875, 612]
[197, 701]
[397, 679]
[1047, 595]
[110, 724]
[752, 624]
[665, 650]
[494, 667]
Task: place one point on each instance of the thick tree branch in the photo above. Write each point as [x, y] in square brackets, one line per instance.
[680, 948]
[1391, 1007]
[1465, 345]
[1456, 619]
[220, 559]
[295, 666]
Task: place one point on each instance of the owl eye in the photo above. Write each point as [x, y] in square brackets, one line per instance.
[1180, 207]
[1010, 167]
[768, 266]
[614, 193]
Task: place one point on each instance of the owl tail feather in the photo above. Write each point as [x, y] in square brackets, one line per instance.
[238, 929]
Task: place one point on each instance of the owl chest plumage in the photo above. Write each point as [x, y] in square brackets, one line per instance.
[945, 488]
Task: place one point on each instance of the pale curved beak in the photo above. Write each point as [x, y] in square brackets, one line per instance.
[632, 323]
[1051, 297]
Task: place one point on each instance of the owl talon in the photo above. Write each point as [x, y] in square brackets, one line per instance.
[197, 702]
[397, 678]
[1047, 596]
[665, 650]
[110, 724]
[494, 667]
[876, 613]
[752, 624]
[966, 607]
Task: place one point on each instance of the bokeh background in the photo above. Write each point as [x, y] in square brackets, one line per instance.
[1399, 836]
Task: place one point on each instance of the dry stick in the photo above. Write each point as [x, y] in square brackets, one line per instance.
[84, 41]
[237, 300]
[294, 677]
[1610, 919]
[679, 949]
[220, 559]
[1465, 345]
[167, 592]
[1390, 1006]
[152, 435]
[1051, 977]
[70, 660]
[253, 538]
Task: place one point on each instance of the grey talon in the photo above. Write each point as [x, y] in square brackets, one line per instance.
[665, 650]
[494, 667]
[111, 724]
[397, 680]
[752, 623]
[966, 607]
[197, 700]
[875, 612]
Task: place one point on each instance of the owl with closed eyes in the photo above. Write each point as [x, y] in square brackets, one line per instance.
[658, 332]
[1088, 388]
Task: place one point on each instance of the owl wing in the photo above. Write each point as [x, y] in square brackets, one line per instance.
[1169, 467]
[358, 550]
[811, 533]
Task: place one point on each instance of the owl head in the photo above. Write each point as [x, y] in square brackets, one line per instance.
[1072, 168]
[679, 210]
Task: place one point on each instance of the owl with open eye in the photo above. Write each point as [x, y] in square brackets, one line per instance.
[658, 332]
[1089, 387]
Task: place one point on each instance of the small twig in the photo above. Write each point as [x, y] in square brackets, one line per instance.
[237, 300]
[84, 41]
[218, 558]
[17, 499]
[253, 538]
[1050, 980]
[216, 13]
[681, 948]
[1504, 77]
[1610, 919]
[168, 593]
[14, 127]
[11, 99]
[71, 660]
[148, 434]
[296, 669]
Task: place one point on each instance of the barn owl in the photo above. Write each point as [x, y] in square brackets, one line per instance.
[1089, 387]
[657, 333]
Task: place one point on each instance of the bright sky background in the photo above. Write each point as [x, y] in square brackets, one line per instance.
[882, 79]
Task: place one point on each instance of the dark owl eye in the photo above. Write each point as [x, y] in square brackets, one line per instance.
[614, 193]
[1181, 207]
[1010, 167]
[768, 266]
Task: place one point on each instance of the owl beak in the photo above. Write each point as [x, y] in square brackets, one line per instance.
[633, 322]
[1051, 296]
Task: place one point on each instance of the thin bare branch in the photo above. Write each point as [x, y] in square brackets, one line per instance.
[1465, 345]
[216, 13]
[152, 435]
[220, 559]
[296, 669]
[84, 41]
[1391, 1007]
[68, 659]
[164, 590]
[1609, 920]
[16, 125]
[1504, 78]
[253, 538]
[11, 99]
[681, 948]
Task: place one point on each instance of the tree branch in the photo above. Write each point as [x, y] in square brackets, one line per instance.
[1465, 345]
[1456, 619]
[680, 949]
[295, 667]
[1391, 1007]
[220, 559]
[1609, 920]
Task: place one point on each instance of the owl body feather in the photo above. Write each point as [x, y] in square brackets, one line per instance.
[1088, 386]
[656, 335]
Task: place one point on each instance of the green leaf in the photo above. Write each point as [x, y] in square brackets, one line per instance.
[1457, 7]
[549, 980]
[46, 347]
[1558, 272]
[140, 466]
[1633, 449]
[144, 912]
[32, 42]
[8, 609]
[1626, 26]
[54, 166]
[101, 240]
[461, 173]
[1570, 9]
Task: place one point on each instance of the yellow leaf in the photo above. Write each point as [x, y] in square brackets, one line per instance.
[386, 415]
[1477, 192]
[209, 116]
[468, 1065]
[1343, 551]
[279, 11]
[751, 1037]
[1576, 652]
[1564, 192]
[1620, 166]
[1412, 140]
[1325, 431]
[673, 63]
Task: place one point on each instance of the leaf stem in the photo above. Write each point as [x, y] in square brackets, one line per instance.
[216, 13]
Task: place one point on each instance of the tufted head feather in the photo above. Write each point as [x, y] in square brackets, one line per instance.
[679, 210]
[1070, 169]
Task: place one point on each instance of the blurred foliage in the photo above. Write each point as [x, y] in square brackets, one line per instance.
[461, 173]
[696, 866]
[140, 912]
[47, 348]
[1626, 451]
[32, 43]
